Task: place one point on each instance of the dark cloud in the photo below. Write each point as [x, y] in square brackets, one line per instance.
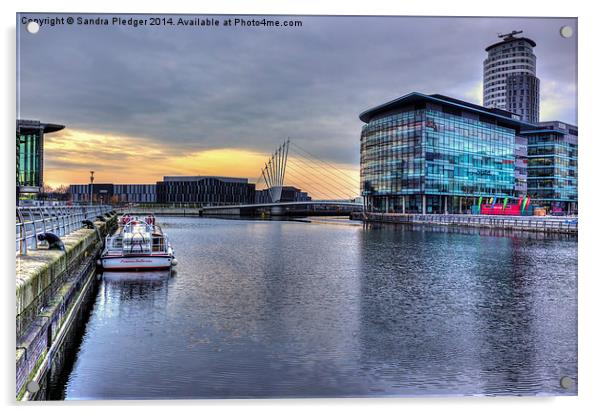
[199, 88]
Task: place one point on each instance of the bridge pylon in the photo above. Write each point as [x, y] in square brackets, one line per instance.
[274, 170]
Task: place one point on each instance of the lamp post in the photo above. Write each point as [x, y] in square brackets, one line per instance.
[91, 186]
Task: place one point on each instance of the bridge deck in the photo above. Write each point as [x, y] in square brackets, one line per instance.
[286, 203]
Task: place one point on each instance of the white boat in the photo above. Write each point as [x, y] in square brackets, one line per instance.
[138, 244]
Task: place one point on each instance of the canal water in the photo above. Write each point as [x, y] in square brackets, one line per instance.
[332, 308]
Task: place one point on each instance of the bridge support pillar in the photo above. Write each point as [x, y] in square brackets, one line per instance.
[403, 204]
[423, 204]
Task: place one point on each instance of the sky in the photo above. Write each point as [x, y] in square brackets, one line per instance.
[142, 102]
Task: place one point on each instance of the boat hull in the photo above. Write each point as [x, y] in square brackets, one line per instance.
[137, 262]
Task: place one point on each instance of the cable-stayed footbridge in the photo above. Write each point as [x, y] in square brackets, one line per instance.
[293, 181]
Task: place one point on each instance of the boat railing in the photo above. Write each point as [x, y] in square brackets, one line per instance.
[59, 220]
[137, 235]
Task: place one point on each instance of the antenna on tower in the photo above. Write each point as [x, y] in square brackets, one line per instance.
[509, 36]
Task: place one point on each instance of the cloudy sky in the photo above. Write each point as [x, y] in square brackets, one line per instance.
[140, 103]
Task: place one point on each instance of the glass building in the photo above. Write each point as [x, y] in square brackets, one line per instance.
[205, 190]
[30, 156]
[552, 165]
[113, 193]
[435, 154]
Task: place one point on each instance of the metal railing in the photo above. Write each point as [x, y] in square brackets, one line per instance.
[60, 220]
[535, 223]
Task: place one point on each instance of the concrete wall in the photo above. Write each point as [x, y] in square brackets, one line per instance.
[49, 289]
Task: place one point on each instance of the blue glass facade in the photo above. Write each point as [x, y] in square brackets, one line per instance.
[433, 154]
[552, 165]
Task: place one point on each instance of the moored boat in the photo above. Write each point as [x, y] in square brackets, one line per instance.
[138, 244]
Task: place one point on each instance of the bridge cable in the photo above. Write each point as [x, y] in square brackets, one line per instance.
[316, 184]
[322, 179]
[354, 183]
[354, 190]
[325, 182]
[334, 179]
[324, 162]
[310, 190]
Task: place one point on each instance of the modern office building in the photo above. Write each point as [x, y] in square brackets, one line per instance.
[205, 190]
[509, 77]
[435, 154]
[30, 156]
[135, 193]
[113, 193]
[99, 192]
[552, 165]
[289, 194]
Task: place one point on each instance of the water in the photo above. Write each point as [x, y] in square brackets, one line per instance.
[297, 309]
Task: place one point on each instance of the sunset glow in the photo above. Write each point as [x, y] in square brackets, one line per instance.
[71, 154]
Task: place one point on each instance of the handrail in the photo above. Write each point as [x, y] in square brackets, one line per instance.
[60, 220]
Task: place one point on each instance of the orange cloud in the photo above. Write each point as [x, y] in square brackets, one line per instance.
[71, 154]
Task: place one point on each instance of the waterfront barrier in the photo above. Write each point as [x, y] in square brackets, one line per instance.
[33, 222]
[163, 210]
[545, 224]
[51, 287]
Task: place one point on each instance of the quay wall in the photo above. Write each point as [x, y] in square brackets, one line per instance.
[51, 286]
[563, 225]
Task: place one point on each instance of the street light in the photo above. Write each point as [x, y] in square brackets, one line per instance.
[91, 186]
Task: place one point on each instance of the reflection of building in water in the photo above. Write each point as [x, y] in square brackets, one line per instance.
[288, 310]
[420, 327]
[480, 315]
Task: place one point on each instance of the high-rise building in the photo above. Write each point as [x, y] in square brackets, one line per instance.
[30, 156]
[509, 77]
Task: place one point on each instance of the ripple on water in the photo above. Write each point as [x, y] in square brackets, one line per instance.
[284, 309]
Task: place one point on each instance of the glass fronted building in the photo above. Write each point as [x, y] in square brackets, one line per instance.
[113, 193]
[435, 154]
[552, 165]
[205, 190]
[30, 156]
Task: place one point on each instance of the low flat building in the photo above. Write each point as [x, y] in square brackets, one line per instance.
[205, 190]
[98, 192]
[135, 193]
[288, 194]
[113, 193]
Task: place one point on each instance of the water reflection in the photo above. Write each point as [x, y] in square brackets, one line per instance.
[463, 314]
[283, 309]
